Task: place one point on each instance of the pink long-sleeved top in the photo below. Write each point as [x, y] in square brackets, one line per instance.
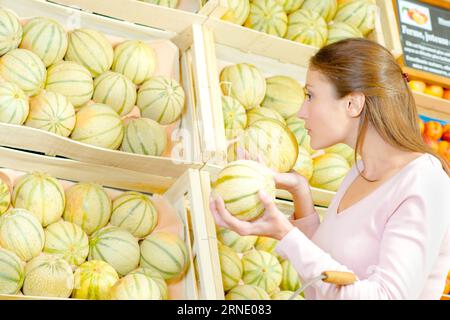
[396, 240]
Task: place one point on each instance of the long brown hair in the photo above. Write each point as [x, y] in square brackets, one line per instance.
[360, 65]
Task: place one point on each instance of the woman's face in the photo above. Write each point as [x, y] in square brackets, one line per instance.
[325, 115]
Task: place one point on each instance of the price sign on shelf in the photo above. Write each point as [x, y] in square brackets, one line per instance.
[425, 37]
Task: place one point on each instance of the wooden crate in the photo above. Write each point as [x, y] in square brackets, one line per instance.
[184, 150]
[193, 227]
[433, 107]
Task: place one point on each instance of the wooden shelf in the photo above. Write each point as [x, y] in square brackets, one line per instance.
[432, 106]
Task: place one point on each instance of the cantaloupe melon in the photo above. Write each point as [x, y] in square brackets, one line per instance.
[51, 112]
[307, 27]
[285, 295]
[245, 83]
[135, 287]
[290, 6]
[290, 279]
[115, 246]
[91, 49]
[234, 241]
[10, 31]
[98, 125]
[14, 106]
[42, 195]
[48, 275]
[297, 127]
[247, 292]
[230, 266]
[284, 95]
[304, 164]
[338, 31]
[261, 269]
[234, 116]
[11, 272]
[239, 183]
[5, 197]
[343, 150]
[135, 213]
[259, 113]
[161, 99]
[25, 69]
[166, 253]
[21, 233]
[238, 11]
[157, 278]
[266, 244]
[88, 206]
[134, 59]
[67, 240]
[329, 171]
[93, 280]
[46, 38]
[358, 13]
[144, 136]
[267, 16]
[71, 80]
[116, 91]
[325, 8]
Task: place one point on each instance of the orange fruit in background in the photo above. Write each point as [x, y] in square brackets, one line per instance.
[435, 90]
[447, 287]
[444, 149]
[433, 129]
[431, 143]
[446, 94]
[417, 85]
[421, 126]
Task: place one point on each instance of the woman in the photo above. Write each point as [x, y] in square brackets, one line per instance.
[389, 221]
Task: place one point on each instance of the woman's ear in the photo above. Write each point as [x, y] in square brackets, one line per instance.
[355, 104]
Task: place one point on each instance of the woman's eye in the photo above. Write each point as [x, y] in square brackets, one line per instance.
[308, 96]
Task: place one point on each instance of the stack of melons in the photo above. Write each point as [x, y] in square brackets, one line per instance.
[79, 242]
[79, 84]
[311, 22]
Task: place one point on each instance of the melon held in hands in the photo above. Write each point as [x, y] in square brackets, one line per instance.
[239, 184]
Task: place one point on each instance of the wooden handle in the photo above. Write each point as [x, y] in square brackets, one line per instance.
[339, 278]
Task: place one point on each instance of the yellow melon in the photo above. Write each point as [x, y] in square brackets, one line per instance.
[329, 171]
[14, 106]
[144, 136]
[10, 31]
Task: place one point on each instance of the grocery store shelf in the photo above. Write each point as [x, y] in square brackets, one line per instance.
[432, 106]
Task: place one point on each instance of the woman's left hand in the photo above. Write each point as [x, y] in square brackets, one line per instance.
[272, 223]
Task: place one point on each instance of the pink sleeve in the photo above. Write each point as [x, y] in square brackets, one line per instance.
[307, 225]
[410, 245]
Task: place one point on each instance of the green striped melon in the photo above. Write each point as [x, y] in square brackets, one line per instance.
[135, 287]
[343, 150]
[91, 49]
[285, 295]
[157, 278]
[51, 112]
[338, 31]
[230, 266]
[358, 13]
[71, 80]
[48, 275]
[290, 6]
[94, 280]
[144, 136]
[284, 95]
[134, 59]
[294, 124]
[304, 164]
[166, 253]
[12, 272]
[234, 117]
[21, 233]
[259, 113]
[116, 91]
[307, 27]
[290, 279]
[14, 105]
[297, 127]
[245, 83]
[329, 171]
[42, 195]
[164, 3]
[45, 37]
[98, 125]
[161, 99]
[67, 240]
[325, 8]
[238, 11]
[88, 206]
[5, 197]
[25, 69]
[239, 183]
[135, 213]
[266, 244]
[273, 141]
[10, 31]
[115, 246]
[247, 292]
[267, 16]
[234, 241]
[261, 269]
